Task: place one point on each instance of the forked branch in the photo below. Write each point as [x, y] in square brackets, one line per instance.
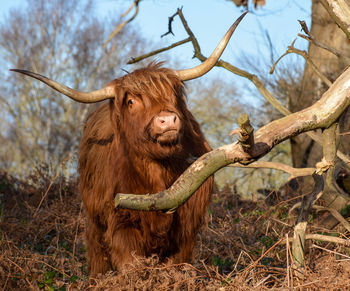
[320, 115]
[253, 78]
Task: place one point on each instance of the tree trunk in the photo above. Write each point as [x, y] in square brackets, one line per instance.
[305, 152]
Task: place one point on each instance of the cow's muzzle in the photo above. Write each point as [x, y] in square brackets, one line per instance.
[165, 127]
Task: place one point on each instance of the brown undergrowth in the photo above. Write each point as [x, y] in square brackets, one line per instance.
[243, 247]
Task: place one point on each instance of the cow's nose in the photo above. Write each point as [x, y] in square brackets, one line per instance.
[167, 122]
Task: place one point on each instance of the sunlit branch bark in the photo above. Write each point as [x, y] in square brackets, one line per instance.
[293, 172]
[339, 10]
[320, 115]
[245, 133]
[326, 238]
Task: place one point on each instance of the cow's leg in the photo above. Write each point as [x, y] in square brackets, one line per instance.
[125, 243]
[190, 217]
[97, 254]
[185, 251]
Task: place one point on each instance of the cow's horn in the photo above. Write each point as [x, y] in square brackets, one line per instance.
[83, 97]
[210, 62]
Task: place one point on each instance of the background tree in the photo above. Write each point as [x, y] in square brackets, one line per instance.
[63, 40]
[323, 28]
[329, 51]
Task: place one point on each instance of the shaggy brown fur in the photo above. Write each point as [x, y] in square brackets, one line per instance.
[122, 152]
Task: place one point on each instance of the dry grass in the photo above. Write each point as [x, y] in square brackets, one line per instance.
[241, 249]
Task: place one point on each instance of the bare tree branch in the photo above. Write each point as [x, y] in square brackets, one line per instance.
[293, 172]
[145, 56]
[255, 80]
[335, 214]
[170, 28]
[332, 50]
[120, 26]
[326, 238]
[292, 49]
[320, 115]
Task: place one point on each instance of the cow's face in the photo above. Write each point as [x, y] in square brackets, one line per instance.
[151, 118]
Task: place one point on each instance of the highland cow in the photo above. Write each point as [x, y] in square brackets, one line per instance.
[140, 142]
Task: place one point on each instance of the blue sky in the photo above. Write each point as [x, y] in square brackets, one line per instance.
[209, 20]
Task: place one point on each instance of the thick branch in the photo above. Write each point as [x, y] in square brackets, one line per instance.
[320, 115]
[255, 80]
[339, 10]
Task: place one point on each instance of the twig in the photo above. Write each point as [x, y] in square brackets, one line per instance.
[332, 50]
[326, 238]
[62, 165]
[335, 214]
[170, 30]
[292, 49]
[287, 256]
[190, 33]
[21, 269]
[294, 172]
[327, 250]
[281, 57]
[279, 221]
[307, 284]
[251, 266]
[292, 263]
[235, 267]
[52, 267]
[7, 279]
[263, 280]
[208, 273]
[44, 196]
[120, 26]
[344, 133]
[155, 52]
[304, 27]
[76, 229]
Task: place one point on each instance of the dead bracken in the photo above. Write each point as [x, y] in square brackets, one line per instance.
[47, 250]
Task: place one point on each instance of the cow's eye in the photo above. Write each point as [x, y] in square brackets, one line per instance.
[131, 101]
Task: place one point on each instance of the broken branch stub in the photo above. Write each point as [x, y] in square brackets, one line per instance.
[246, 136]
